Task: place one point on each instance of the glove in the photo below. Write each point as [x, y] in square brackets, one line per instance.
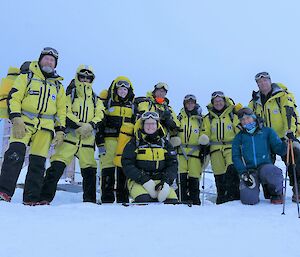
[150, 188]
[18, 127]
[85, 130]
[166, 115]
[58, 139]
[163, 191]
[248, 179]
[204, 150]
[291, 136]
[175, 141]
[101, 150]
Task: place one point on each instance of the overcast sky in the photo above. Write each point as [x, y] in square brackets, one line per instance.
[195, 46]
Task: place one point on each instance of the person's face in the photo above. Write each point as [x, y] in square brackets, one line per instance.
[218, 103]
[160, 92]
[190, 105]
[150, 126]
[48, 61]
[264, 85]
[122, 92]
[84, 79]
[246, 119]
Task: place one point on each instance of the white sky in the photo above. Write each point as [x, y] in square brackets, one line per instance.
[195, 46]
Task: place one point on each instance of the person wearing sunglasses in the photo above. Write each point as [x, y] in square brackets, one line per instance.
[84, 113]
[150, 162]
[277, 107]
[190, 166]
[158, 102]
[37, 110]
[251, 155]
[220, 127]
[119, 113]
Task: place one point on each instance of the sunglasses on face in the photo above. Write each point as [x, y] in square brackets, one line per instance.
[148, 115]
[123, 83]
[50, 51]
[262, 75]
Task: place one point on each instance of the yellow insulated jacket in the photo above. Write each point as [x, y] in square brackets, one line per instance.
[274, 112]
[221, 129]
[41, 103]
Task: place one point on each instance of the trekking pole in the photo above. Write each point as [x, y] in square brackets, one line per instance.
[295, 177]
[203, 187]
[286, 174]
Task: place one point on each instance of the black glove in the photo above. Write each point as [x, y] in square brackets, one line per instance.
[248, 179]
[291, 136]
[159, 186]
[166, 115]
[204, 150]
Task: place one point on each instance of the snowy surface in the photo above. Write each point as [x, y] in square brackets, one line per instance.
[71, 228]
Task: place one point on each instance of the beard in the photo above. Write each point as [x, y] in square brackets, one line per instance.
[47, 69]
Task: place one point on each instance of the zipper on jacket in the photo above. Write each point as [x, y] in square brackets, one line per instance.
[222, 130]
[254, 152]
[269, 118]
[40, 97]
[47, 100]
[44, 96]
[84, 105]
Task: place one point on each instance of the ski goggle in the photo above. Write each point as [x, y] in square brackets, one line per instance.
[161, 85]
[123, 83]
[190, 97]
[50, 51]
[148, 115]
[217, 94]
[262, 75]
[245, 111]
[86, 74]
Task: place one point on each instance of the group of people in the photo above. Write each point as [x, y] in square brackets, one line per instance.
[146, 151]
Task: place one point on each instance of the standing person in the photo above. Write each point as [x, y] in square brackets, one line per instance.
[84, 112]
[220, 126]
[156, 101]
[276, 106]
[251, 154]
[190, 166]
[150, 162]
[37, 109]
[119, 109]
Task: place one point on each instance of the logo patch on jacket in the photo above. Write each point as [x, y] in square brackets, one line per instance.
[53, 97]
[275, 111]
[196, 131]
[229, 127]
[33, 92]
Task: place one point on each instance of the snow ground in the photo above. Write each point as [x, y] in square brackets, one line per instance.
[71, 228]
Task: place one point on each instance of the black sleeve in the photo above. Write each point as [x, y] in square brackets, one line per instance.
[129, 164]
[171, 170]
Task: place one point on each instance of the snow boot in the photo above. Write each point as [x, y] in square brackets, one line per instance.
[89, 184]
[232, 183]
[194, 191]
[107, 185]
[221, 189]
[4, 197]
[122, 193]
[276, 199]
[183, 187]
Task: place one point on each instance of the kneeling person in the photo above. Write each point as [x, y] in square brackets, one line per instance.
[150, 163]
[251, 155]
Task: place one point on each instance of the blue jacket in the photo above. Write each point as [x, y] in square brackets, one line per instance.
[249, 151]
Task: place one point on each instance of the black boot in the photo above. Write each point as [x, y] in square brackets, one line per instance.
[11, 167]
[221, 189]
[34, 179]
[183, 187]
[122, 193]
[107, 185]
[194, 191]
[232, 183]
[89, 184]
[53, 174]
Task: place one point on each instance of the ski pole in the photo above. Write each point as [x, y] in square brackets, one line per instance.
[179, 186]
[295, 177]
[286, 174]
[203, 187]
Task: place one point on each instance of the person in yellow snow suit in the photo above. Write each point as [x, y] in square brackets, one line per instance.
[37, 110]
[220, 126]
[150, 163]
[276, 106]
[156, 101]
[84, 113]
[119, 111]
[190, 166]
